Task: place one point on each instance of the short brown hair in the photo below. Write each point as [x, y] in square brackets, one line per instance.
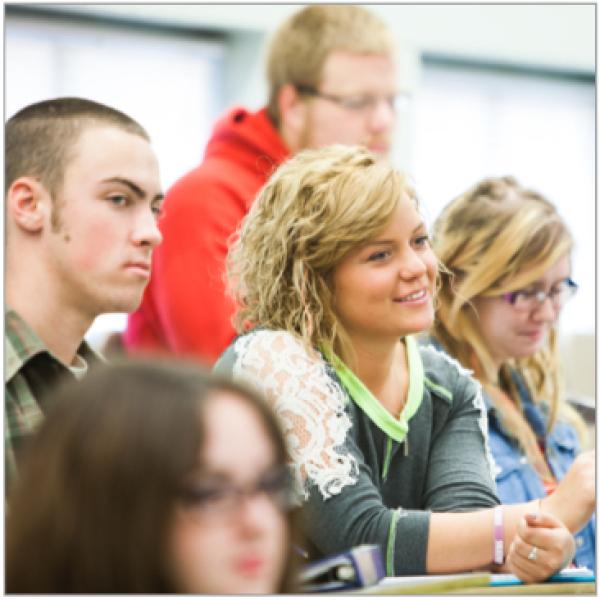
[300, 46]
[98, 482]
[39, 138]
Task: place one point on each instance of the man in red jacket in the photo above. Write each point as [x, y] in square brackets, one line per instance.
[332, 79]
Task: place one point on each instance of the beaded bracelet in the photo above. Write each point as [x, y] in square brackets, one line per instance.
[498, 535]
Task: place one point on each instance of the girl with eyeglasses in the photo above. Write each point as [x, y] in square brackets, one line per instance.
[508, 275]
[334, 275]
[152, 478]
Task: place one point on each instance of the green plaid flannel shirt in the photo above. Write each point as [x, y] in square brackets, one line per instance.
[30, 371]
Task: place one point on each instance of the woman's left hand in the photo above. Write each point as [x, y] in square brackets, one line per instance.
[541, 546]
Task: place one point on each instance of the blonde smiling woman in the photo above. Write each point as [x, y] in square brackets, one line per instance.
[334, 274]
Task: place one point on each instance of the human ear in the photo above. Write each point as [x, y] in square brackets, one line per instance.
[26, 203]
[292, 109]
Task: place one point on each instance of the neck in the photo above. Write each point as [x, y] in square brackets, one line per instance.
[375, 360]
[383, 368]
[290, 139]
[36, 297]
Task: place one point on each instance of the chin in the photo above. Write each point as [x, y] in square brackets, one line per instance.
[126, 303]
[261, 587]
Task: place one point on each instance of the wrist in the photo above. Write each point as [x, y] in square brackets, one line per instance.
[564, 511]
[498, 534]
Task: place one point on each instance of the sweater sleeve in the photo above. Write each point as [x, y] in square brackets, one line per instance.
[343, 506]
[192, 307]
[460, 468]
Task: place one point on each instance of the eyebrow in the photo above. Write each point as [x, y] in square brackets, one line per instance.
[136, 189]
[421, 225]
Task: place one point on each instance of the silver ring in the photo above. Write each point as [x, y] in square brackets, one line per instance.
[532, 554]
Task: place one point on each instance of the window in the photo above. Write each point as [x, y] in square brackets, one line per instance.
[470, 123]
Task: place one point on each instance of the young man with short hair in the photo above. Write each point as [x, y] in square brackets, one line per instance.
[332, 79]
[82, 194]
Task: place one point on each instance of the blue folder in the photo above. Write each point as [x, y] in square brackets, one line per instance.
[573, 575]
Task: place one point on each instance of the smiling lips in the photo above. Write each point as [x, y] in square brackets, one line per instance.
[417, 296]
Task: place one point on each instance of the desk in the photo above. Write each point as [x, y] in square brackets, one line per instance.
[531, 589]
[470, 584]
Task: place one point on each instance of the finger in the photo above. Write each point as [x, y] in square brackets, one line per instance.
[528, 566]
[558, 543]
[525, 551]
[542, 519]
[544, 537]
[526, 570]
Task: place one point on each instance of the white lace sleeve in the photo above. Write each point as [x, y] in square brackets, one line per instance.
[309, 404]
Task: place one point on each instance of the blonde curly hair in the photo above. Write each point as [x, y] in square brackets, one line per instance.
[317, 207]
[495, 238]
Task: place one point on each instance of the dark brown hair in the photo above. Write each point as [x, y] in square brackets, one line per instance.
[98, 482]
[39, 138]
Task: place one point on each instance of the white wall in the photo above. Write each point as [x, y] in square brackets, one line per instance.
[543, 35]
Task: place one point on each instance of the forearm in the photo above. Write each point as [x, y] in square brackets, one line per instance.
[464, 541]
[570, 508]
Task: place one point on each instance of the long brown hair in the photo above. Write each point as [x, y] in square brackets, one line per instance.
[97, 486]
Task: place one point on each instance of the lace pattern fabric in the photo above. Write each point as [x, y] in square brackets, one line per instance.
[310, 406]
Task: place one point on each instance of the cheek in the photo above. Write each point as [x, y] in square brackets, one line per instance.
[498, 326]
[92, 244]
[431, 265]
[195, 555]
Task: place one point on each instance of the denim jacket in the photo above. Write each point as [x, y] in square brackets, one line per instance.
[517, 480]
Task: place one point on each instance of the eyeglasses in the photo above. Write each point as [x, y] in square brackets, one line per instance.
[357, 104]
[527, 300]
[205, 502]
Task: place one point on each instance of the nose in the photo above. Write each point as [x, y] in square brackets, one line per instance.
[546, 311]
[382, 117]
[146, 231]
[411, 265]
[255, 512]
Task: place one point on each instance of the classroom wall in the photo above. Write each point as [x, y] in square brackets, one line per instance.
[560, 37]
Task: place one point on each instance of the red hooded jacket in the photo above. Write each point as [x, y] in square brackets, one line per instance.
[185, 310]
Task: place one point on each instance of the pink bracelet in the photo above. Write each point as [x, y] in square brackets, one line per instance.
[498, 536]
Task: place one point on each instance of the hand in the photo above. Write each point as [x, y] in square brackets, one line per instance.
[574, 499]
[554, 545]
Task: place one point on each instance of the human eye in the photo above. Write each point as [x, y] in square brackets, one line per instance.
[421, 241]
[526, 293]
[357, 102]
[378, 256]
[157, 209]
[274, 481]
[276, 484]
[118, 199]
[206, 496]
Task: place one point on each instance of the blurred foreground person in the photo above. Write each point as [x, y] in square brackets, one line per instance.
[508, 259]
[150, 478]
